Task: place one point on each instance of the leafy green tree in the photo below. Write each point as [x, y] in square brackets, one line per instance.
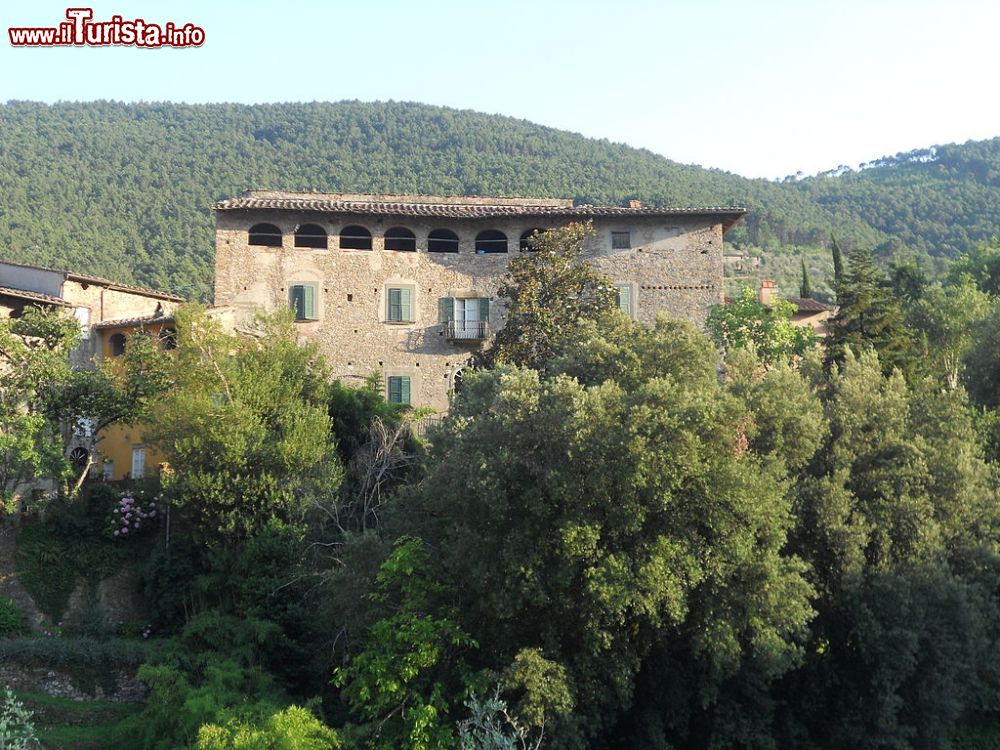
[609, 500]
[982, 360]
[34, 362]
[946, 318]
[765, 330]
[292, 728]
[244, 427]
[982, 264]
[402, 683]
[548, 293]
[805, 287]
[17, 731]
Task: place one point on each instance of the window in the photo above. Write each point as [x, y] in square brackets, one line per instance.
[108, 472]
[400, 238]
[399, 389]
[117, 343]
[465, 318]
[310, 235]
[621, 240]
[302, 299]
[138, 461]
[399, 303]
[625, 299]
[267, 235]
[442, 241]
[491, 241]
[526, 238]
[355, 238]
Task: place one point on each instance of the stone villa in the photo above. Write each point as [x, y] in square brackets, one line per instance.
[405, 285]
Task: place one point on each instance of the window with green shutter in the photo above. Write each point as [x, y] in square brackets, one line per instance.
[399, 389]
[625, 299]
[400, 305]
[446, 309]
[302, 299]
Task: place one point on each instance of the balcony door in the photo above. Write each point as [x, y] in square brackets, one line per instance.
[467, 322]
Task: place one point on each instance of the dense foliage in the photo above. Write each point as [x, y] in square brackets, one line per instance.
[617, 537]
[124, 190]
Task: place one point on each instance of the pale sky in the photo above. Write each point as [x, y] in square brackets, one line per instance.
[763, 88]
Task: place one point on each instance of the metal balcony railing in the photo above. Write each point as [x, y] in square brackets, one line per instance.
[457, 330]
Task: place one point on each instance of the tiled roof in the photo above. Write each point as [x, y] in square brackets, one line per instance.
[6, 291]
[145, 292]
[135, 322]
[804, 304]
[450, 207]
[88, 279]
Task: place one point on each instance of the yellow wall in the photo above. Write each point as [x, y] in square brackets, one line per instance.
[116, 442]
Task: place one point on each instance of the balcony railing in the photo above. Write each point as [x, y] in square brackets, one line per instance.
[457, 330]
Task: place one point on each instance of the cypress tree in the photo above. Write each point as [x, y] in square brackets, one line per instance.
[838, 265]
[805, 288]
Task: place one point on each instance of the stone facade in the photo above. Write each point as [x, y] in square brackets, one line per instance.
[672, 264]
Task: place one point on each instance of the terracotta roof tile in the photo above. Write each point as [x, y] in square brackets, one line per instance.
[6, 291]
[133, 322]
[450, 207]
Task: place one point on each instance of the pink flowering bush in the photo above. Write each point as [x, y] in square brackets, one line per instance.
[133, 514]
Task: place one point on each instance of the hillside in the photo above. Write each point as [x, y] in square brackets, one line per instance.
[124, 190]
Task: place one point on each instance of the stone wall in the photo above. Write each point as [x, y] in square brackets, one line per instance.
[674, 266]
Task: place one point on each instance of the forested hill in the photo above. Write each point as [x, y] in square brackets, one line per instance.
[124, 190]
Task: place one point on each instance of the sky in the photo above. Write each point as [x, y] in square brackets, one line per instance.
[762, 88]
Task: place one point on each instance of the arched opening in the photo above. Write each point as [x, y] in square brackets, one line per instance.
[355, 238]
[527, 237]
[442, 241]
[117, 343]
[400, 238]
[267, 235]
[168, 338]
[310, 235]
[491, 241]
[456, 381]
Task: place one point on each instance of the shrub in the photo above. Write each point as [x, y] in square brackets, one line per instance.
[16, 730]
[12, 621]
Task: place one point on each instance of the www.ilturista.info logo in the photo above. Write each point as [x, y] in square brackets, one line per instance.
[81, 31]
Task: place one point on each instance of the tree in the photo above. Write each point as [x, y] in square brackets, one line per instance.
[805, 288]
[869, 316]
[838, 264]
[548, 292]
[244, 426]
[596, 522]
[34, 362]
[946, 318]
[767, 331]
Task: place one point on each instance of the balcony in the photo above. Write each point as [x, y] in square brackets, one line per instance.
[473, 330]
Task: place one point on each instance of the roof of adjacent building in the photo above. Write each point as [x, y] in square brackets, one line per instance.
[804, 304]
[100, 281]
[48, 299]
[135, 322]
[458, 207]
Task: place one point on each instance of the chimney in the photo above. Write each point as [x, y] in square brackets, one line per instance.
[767, 292]
[635, 203]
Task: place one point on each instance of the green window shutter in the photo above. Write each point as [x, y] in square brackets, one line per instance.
[395, 304]
[484, 309]
[625, 299]
[399, 389]
[404, 304]
[309, 302]
[446, 309]
[297, 301]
